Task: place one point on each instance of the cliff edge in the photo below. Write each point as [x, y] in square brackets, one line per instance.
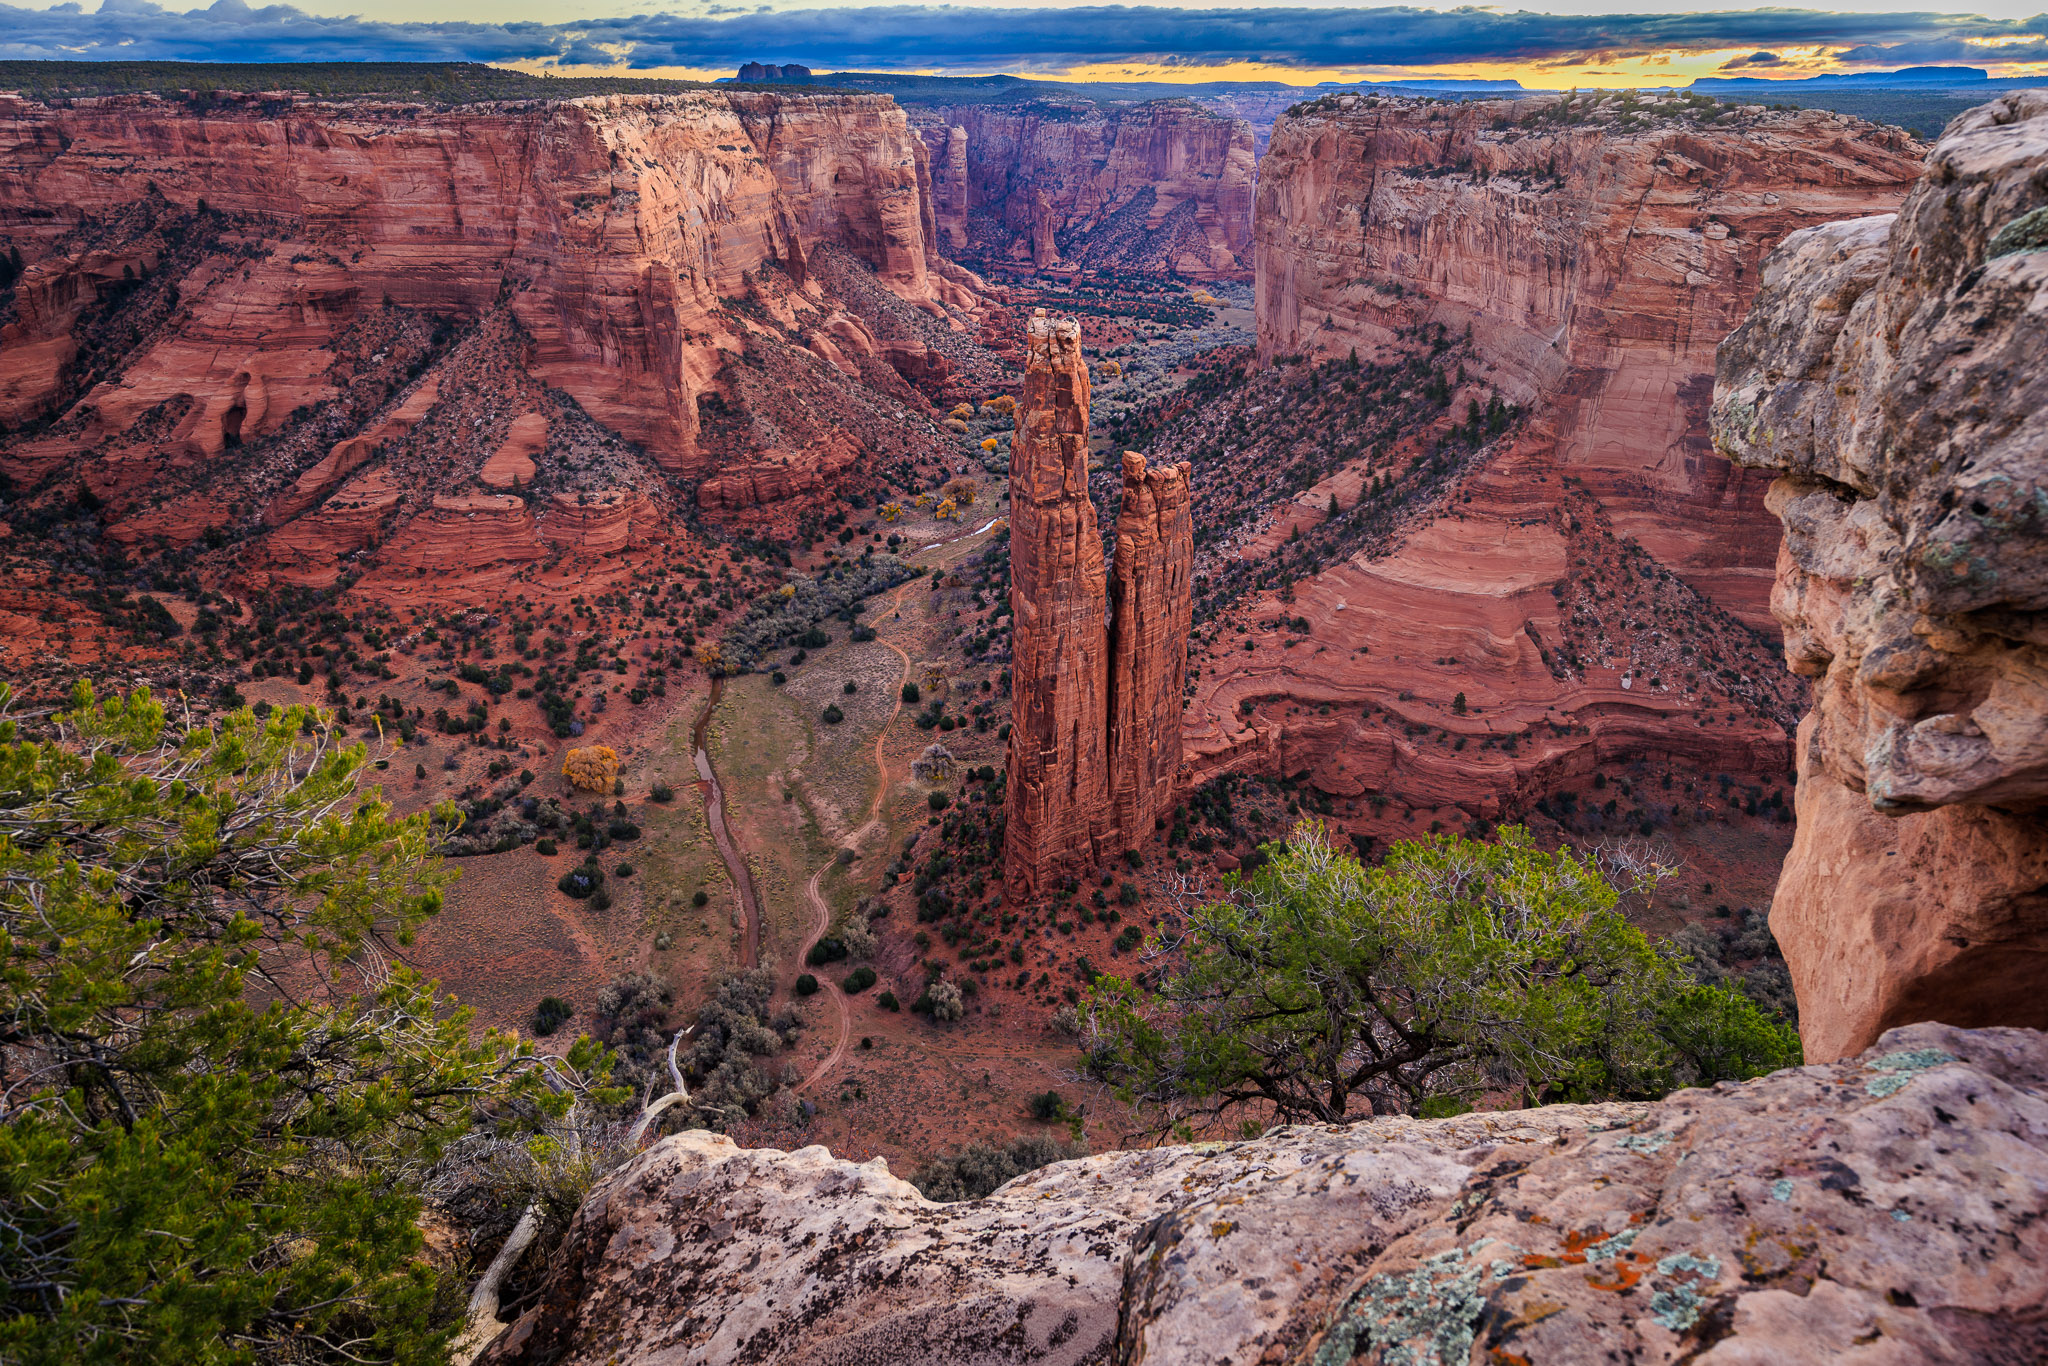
[1891, 374]
[1888, 1208]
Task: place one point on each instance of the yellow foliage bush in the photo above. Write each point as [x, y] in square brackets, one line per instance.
[947, 508]
[1001, 403]
[592, 769]
[963, 412]
[924, 500]
[988, 443]
[962, 491]
[710, 656]
[891, 511]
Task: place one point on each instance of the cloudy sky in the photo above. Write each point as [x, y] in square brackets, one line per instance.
[1566, 43]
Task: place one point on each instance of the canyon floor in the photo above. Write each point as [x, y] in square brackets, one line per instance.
[800, 790]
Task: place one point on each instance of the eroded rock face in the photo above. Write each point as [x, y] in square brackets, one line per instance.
[1057, 762]
[1891, 375]
[1155, 187]
[1597, 266]
[611, 231]
[1891, 1207]
[1095, 736]
[1152, 612]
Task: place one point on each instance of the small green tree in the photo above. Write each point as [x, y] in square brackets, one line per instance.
[222, 1108]
[1322, 988]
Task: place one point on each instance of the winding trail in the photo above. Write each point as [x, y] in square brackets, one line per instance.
[728, 850]
[821, 914]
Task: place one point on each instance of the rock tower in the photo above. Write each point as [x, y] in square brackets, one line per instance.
[1095, 712]
[1153, 612]
[1058, 770]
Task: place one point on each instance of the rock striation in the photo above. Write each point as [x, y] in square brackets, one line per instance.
[1593, 582]
[1056, 805]
[1890, 1207]
[1158, 187]
[1095, 725]
[1597, 255]
[196, 280]
[1891, 376]
[1151, 613]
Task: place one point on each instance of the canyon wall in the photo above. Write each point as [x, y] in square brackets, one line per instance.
[195, 276]
[1584, 587]
[1596, 255]
[1891, 376]
[1095, 712]
[1886, 1208]
[1165, 186]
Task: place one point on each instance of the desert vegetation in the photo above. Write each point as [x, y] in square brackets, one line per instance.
[1454, 971]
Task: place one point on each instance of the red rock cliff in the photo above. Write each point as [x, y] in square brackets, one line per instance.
[1148, 643]
[1058, 767]
[614, 227]
[1891, 374]
[1156, 187]
[1598, 255]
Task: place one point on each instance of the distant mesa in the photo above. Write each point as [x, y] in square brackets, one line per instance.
[760, 73]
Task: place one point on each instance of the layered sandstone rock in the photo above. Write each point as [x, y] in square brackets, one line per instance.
[1593, 583]
[1057, 762]
[1891, 1207]
[614, 228]
[1596, 255]
[1165, 186]
[1891, 375]
[1152, 610]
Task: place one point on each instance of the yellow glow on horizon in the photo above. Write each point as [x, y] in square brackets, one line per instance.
[1675, 68]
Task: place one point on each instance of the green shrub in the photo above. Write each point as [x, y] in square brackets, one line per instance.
[1465, 968]
[551, 1014]
[910, 694]
[859, 980]
[582, 881]
[833, 716]
[1046, 1106]
[806, 985]
[700, 899]
[887, 1001]
[826, 950]
[980, 1168]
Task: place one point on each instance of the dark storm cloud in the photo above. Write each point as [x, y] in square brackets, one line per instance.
[948, 37]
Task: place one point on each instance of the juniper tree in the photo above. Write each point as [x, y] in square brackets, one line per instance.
[220, 1102]
[1321, 990]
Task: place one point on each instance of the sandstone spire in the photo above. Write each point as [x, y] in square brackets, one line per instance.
[1095, 711]
[1057, 788]
[1148, 646]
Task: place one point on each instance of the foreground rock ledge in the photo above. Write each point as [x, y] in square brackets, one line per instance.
[1887, 1208]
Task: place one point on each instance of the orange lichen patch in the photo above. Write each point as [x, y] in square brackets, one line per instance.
[1628, 1270]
